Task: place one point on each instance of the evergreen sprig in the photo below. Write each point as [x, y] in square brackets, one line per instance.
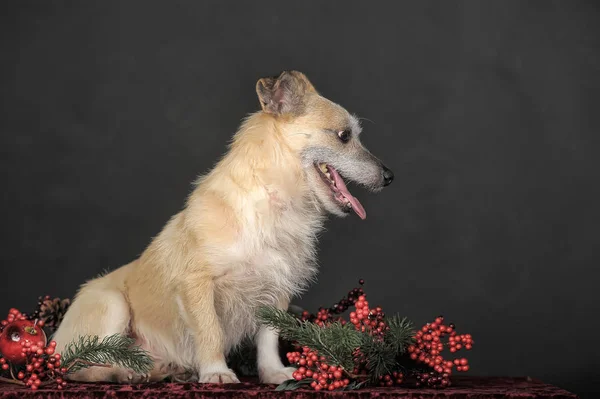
[380, 357]
[115, 349]
[336, 342]
[401, 333]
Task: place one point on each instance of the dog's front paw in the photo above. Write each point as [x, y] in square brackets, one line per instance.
[276, 376]
[129, 377]
[219, 377]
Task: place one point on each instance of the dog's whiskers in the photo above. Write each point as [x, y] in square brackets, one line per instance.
[366, 119]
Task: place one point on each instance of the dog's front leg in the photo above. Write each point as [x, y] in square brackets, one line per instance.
[270, 368]
[197, 297]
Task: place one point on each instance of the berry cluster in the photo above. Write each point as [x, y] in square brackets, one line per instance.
[389, 380]
[322, 318]
[13, 315]
[456, 342]
[428, 344]
[365, 319]
[433, 380]
[311, 365]
[41, 362]
[325, 316]
[34, 363]
[428, 347]
[368, 320]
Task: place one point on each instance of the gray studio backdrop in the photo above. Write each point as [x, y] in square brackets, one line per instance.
[486, 111]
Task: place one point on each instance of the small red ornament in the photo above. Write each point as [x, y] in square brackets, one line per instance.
[14, 334]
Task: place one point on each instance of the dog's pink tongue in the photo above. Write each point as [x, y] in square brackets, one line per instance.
[341, 186]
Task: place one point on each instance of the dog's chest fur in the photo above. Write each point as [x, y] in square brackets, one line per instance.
[274, 260]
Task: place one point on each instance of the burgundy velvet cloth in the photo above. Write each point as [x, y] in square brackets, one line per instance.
[464, 388]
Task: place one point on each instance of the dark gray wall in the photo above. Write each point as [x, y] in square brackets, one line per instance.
[486, 111]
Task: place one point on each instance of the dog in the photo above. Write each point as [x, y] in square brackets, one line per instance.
[246, 238]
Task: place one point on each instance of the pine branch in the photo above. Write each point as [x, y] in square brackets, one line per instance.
[283, 321]
[380, 357]
[335, 341]
[400, 335]
[112, 350]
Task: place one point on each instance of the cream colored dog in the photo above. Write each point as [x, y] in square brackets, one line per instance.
[246, 238]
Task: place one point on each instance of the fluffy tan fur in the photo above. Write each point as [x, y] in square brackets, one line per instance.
[246, 238]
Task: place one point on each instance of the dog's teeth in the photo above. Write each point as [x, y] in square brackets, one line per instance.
[323, 167]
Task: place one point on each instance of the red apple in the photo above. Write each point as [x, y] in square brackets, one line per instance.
[16, 332]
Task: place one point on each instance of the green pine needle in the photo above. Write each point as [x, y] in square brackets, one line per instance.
[338, 342]
[381, 358]
[335, 341]
[400, 335]
[115, 349]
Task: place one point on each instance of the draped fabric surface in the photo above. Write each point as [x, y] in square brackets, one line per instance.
[463, 388]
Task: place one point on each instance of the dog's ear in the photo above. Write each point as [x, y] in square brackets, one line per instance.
[284, 94]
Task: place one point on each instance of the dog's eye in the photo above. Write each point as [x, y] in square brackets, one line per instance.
[344, 135]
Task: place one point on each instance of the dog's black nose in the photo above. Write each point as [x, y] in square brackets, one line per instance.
[388, 176]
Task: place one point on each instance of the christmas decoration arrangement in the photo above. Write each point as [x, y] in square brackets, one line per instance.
[331, 353]
[370, 348]
[28, 358]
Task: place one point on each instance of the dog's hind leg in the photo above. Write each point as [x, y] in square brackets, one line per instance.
[100, 309]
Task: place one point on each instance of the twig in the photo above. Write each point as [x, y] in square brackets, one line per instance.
[9, 381]
[17, 382]
[47, 382]
[355, 376]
